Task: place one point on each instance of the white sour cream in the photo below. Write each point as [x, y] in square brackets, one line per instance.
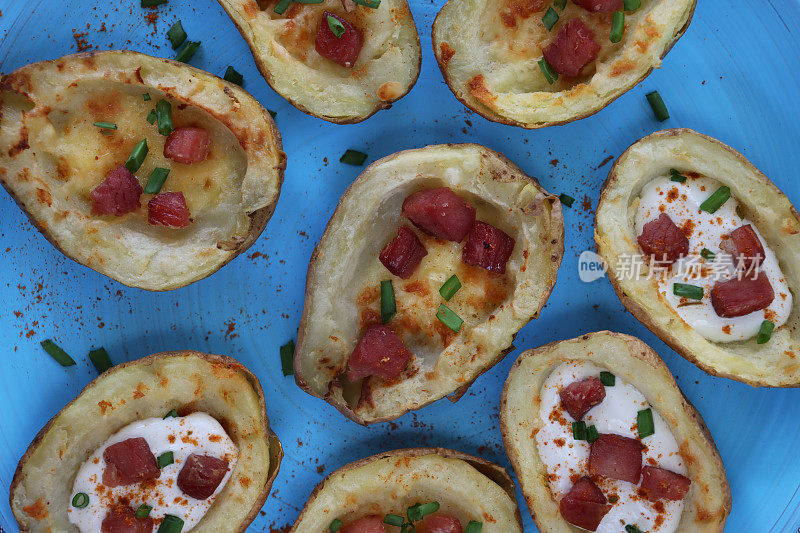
[681, 201]
[196, 433]
[564, 456]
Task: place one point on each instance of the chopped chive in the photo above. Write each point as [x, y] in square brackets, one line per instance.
[336, 26]
[176, 35]
[353, 157]
[715, 201]
[80, 500]
[100, 359]
[449, 318]
[560, 4]
[644, 423]
[146, 97]
[685, 290]
[187, 51]
[55, 351]
[372, 4]
[388, 303]
[281, 6]
[153, 3]
[632, 529]
[287, 358]
[592, 434]
[165, 459]
[143, 511]
[335, 525]
[631, 5]
[659, 108]
[550, 18]
[450, 287]
[137, 156]
[707, 254]
[765, 332]
[674, 175]
[272, 113]
[473, 527]
[170, 524]
[156, 180]
[106, 125]
[152, 117]
[550, 75]
[607, 378]
[419, 511]
[394, 520]
[233, 76]
[617, 26]
[164, 114]
[579, 430]
[566, 199]
[172, 414]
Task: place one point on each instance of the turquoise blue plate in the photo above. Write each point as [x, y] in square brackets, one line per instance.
[732, 76]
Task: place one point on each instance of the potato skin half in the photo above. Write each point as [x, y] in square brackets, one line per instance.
[434, 460]
[773, 364]
[50, 178]
[708, 502]
[330, 325]
[540, 109]
[185, 380]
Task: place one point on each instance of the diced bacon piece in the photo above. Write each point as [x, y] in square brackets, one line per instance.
[187, 145]
[600, 6]
[487, 247]
[580, 396]
[403, 253]
[572, 49]
[439, 523]
[168, 209]
[129, 461]
[745, 247]
[584, 505]
[123, 519]
[368, 524]
[380, 352]
[118, 194]
[741, 296]
[201, 475]
[440, 212]
[663, 240]
[343, 49]
[616, 457]
[663, 484]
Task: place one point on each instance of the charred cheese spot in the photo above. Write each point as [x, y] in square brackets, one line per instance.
[477, 86]
[446, 52]
[37, 510]
[390, 91]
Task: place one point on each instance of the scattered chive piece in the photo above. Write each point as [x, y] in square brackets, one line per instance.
[100, 359]
[153, 3]
[617, 26]
[549, 74]
[176, 35]
[644, 422]
[707, 254]
[473, 527]
[335, 26]
[164, 114]
[272, 113]
[566, 199]
[165, 459]
[143, 511]
[674, 175]
[765, 332]
[172, 414]
[106, 125]
[156, 180]
[421, 510]
[233, 76]
[579, 430]
[631, 5]
[55, 351]
[449, 318]
[592, 434]
[152, 117]
[607, 378]
[450, 287]
[170, 524]
[281, 6]
[80, 500]
[287, 358]
[353, 157]
[372, 4]
[717, 198]
[146, 97]
[394, 520]
[186, 54]
[137, 156]
[632, 529]
[659, 108]
[388, 303]
[550, 18]
[335, 526]
[685, 290]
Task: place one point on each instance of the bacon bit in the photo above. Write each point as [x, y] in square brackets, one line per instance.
[726, 329]
[37, 510]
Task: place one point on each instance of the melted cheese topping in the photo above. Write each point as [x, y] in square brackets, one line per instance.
[567, 459]
[681, 201]
[196, 433]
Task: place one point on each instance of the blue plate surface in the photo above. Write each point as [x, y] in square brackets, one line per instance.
[731, 76]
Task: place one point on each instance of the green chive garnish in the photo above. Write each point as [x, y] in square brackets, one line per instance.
[372, 4]
[566, 199]
[153, 3]
[632, 529]
[765, 332]
[394, 520]
[233, 76]
[143, 511]
[644, 422]
[353, 157]
[170, 524]
[550, 75]
[659, 108]
[715, 201]
[449, 318]
[388, 303]
[100, 359]
[607, 378]
[617, 26]
[335, 526]
[707, 254]
[80, 500]
[152, 117]
[187, 51]
[560, 4]
[176, 35]
[550, 18]
[106, 125]
[172, 414]
[164, 114]
[137, 156]
[146, 97]
[419, 511]
[281, 6]
[674, 175]
[450, 287]
[272, 113]
[336, 26]
[287, 358]
[685, 290]
[55, 351]
[592, 434]
[473, 527]
[631, 5]
[579, 430]
[165, 459]
[156, 180]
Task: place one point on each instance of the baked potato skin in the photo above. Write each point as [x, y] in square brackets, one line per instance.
[493, 472]
[443, 52]
[227, 103]
[501, 170]
[708, 503]
[774, 364]
[276, 67]
[216, 384]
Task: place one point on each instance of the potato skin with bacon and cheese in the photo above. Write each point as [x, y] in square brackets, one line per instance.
[708, 501]
[283, 46]
[488, 53]
[186, 381]
[52, 157]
